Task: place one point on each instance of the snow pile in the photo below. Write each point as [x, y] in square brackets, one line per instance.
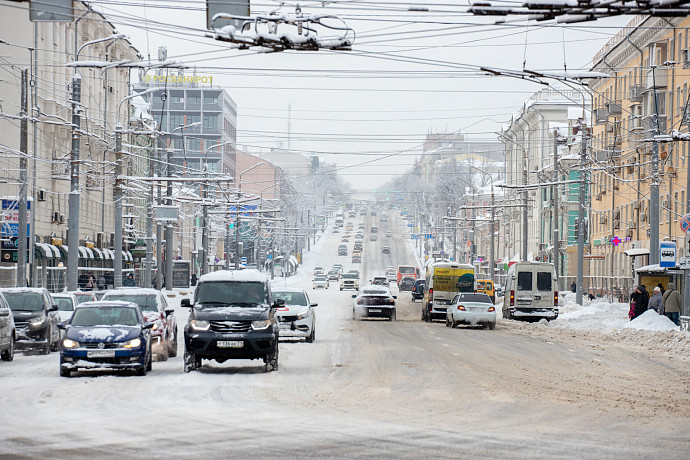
[652, 321]
[596, 315]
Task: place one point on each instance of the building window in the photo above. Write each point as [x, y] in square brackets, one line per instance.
[175, 98]
[193, 98]
[193, 144]
[210, 123]
[210, 99]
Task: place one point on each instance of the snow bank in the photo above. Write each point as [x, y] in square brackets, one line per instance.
[652, 321]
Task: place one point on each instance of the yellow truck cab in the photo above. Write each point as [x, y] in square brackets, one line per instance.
[487, 287]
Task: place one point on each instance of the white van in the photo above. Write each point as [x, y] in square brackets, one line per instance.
[530, 291]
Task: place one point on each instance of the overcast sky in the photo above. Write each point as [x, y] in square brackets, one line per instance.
[368, 110]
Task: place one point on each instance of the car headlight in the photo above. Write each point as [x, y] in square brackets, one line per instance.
[134, 343]
[156, 326]
[69, 343]
[37, 323]
[261, 325]
[304, 314]
[199, 325]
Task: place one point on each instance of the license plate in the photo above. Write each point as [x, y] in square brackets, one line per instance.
[100, 354]
[374, 310]
[475, 309]
[230, 344]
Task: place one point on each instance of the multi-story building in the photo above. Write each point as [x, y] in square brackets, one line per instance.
[647, 90]
[46, 49]
[530, 141]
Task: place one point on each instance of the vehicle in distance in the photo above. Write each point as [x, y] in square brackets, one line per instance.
[358, 247]
[355, 271]
[473, 309]
[336, 230]
[443, 281]
[390, 274]
[342, 250]
[35, 317]
[320, 281]
[406, 284]
[359, 237]
[385, 250]
[338, 267]
[374, 229]
[374, 302]
[356, 257]
[418, 290]
[319, 270]
[373, 237]
[344, 239]
[66, 304]
[297, 318]
[389, 234]
[349, 281]
[361, 226]
[106, 335]
[380, 281]
[154, 306]
[7, 331]
[232, 317]
[333, 274]
[530, 291]
[406, 270]
[487, 287]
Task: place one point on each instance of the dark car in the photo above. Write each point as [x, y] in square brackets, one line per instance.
[106, 335]
[156, 310]
[406, 284]
[342, 250]
[7, 331]
[36, 318]
[374, 302]
[418, 289]
[385, 250]
[233, 317]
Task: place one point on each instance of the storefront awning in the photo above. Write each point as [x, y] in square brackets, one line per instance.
[108, 254]
[44, 251]
[636, 252]
[98, 253]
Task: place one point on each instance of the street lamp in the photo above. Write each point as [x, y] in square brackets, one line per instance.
[237, 224]
[493, 234]
[524, 193]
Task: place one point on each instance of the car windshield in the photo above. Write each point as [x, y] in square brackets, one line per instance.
[406, 270]
[147, 302]
[24, 301]
[239, 293]
[350, 276]
[64, 303]
[320, 278]
[104, 316]
[291, 298]
[471, 297]
[84, 298]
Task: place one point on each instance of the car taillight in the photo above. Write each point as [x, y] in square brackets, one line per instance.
[512, 298]
[431, 294]
[555, 298]
[461, 307]
[491, 309]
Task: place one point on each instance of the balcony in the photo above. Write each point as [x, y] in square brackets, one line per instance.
[657, 78]
[636, 92]
[614, 109]
[649, 123]
[600, 116]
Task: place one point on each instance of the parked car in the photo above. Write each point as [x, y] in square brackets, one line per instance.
[156, 310]
[418, 290]
[471, 308]
[380, 281]
[7, 331]
[66, 304]
[374, 302]
[406, 284]
[233, 316]
[83, 296]
[297, 317]
[320, 281]
[106, 335]
[349, 281]
[385, 250]
[35, 318]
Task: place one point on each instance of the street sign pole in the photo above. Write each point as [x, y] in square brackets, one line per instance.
[685, 226]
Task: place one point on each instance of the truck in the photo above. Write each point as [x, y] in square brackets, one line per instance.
[383, 217]
[444, 280]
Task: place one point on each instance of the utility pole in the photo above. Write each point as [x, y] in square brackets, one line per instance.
[581, 217]
[169, 226]
[204, 224]
[73, 219]
[492, 260]
[525, 195]
[227, 240]
[149, 224]
[23, 148]
[654, 189]
[159, 228]
[117, 261]
[554, 210]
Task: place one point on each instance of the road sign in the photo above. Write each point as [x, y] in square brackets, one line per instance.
[684, 263]
[667, 254]
[685, 223]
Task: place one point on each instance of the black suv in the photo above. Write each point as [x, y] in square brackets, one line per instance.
[36, 318]
[232, 317]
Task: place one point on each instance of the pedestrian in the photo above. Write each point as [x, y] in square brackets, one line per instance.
[639, 300]
[193, 279]
[101, 282]
[90, 284]
[573, 286]
[129, 281]
[656, 303]
[661, 287]
[673, 302]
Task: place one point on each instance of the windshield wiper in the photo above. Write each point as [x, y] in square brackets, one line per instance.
[244, 304]
[213, 303]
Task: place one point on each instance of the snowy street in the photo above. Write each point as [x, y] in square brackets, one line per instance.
[403, 389]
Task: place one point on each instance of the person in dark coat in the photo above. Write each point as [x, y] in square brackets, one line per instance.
[673, 303]
[129, 281]
[573, 286]
[639, 301]
[193, 279]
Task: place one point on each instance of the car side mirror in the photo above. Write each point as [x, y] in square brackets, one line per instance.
[53, 308]
[186, 303]
[315, 305]
[395, 296]
[148, 326]
[279, 303]
[62, 325]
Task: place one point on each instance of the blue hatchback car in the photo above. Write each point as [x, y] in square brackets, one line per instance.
[106, 335]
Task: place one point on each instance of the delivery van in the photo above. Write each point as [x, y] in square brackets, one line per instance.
[443, 281]
[531, 292]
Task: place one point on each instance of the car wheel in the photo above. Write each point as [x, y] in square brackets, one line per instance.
[142, 370]
[393, 316]
[149, 365]
[191, 362]
[55, 346]
[453, 324]
[491, 326]
[272, 360]
[312, 336]
[173, 346]
[447, 322]
[45, 348]
[163, 355]
[65, 372]
[8, 355]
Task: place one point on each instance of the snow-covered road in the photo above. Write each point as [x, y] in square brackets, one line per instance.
[406, 389]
